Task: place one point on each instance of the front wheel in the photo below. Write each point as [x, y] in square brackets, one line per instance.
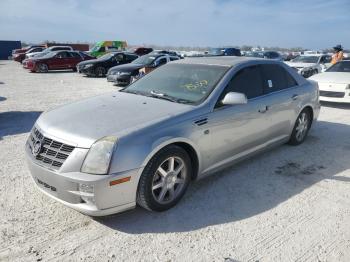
[301, 128]
[100, 71]
[165, 179]
[42, 68]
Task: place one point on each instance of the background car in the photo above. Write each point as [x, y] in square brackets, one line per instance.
[25, 49]
[19, 57]
[265, 54]
[225, 51]
[188, 119]
[45, 52]
[334, 84]
[308, 65]
[49, 49]
[100, 66]
[56, 60]
[121, 75]
[140, 51]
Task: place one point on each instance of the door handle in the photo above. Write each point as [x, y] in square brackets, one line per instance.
[263, 110]
[295, 97]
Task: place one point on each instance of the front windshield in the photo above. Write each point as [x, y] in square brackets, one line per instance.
[95, 48]
[106, 56]
[183, 83]
[144, 60]
[216, 51]
[47, 55]
[306, 59]
[343, 66]
[43, 53]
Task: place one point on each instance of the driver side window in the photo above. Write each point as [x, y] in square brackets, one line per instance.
[61, 55]
[119, 57]
[247, 81]
[326, 59]
[161, 61]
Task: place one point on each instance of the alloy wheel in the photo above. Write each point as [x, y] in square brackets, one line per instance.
[169, 180]
[302, 126]
[42, 68]
[100, 71]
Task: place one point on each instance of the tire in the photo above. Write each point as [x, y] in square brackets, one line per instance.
[100, 71]
[301, 128]
[161, 187]
[74, 69]
[42, 68]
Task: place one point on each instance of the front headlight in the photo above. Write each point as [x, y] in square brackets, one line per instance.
[88, 65]
[99, 156]
[124, 73]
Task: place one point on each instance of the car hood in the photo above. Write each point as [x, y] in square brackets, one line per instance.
[126, 67]
[332, 77]
[91, 61]
[83, 122]
[302, 65]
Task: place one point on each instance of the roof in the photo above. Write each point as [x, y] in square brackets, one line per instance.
[219, 60]
[313, 54]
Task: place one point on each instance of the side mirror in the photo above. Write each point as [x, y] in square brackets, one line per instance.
[233, 98]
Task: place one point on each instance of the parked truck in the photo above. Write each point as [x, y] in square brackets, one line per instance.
[102, 47]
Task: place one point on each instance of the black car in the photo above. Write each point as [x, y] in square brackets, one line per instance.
[266, 54]
[122, 74]
[98, 67]
[225, 51]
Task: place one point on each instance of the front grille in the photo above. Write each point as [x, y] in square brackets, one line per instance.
[52, 153]
[332, 94]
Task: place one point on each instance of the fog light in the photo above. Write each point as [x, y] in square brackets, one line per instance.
[87, 193]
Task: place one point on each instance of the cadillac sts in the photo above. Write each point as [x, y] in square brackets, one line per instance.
[143, 145]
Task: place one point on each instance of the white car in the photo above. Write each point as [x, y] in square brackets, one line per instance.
[49, 49]
[334, 84]
[308, 65]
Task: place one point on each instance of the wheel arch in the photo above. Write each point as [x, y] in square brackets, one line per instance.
[185, 144]
[311, 111]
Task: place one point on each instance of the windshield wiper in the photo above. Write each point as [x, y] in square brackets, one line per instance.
[155, 94]
[169, 98]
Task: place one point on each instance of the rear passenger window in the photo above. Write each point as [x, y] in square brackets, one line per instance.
[276, 78]
[290, 80]
[247, 81]
[74, 54]
[162, 61]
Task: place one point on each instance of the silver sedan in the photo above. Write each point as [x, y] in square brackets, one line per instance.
[185, 120]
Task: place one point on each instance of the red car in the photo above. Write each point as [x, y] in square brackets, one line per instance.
[57, 60]
[19, 57]
[142, 51]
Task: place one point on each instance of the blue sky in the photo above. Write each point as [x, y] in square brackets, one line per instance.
[313, 24]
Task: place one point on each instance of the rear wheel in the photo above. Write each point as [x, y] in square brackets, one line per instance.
[165, 179]
[42, 68]
[100, 71]
[301, 128]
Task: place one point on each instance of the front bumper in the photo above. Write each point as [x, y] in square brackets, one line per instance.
[335, 96]
[86, 71]
[122, 80]
[105, 199]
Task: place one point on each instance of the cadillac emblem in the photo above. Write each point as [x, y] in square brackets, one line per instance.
[37, 148]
